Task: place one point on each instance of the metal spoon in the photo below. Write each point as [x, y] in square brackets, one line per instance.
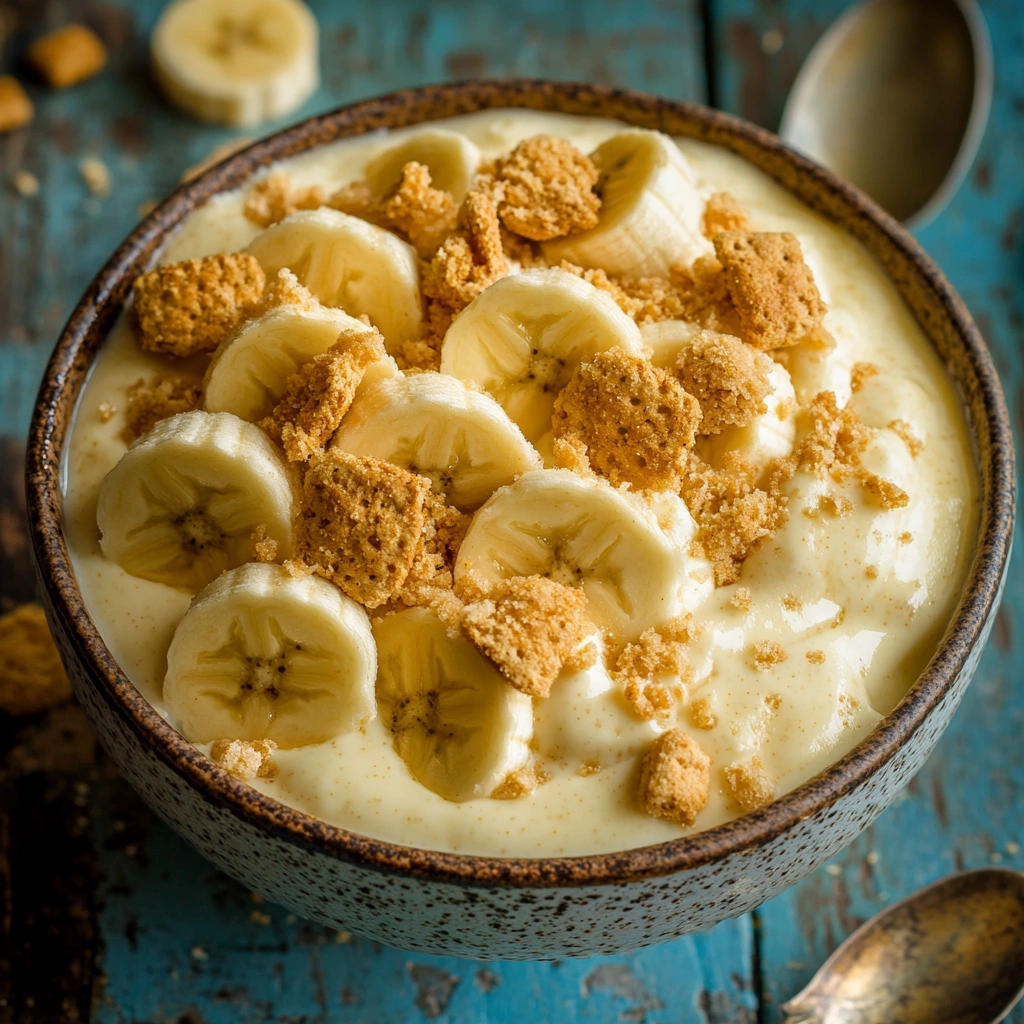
[952, 953]
[895, 97]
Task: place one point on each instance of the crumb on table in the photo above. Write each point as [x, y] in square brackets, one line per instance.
[675, 778]
[32, 677]
[96, 175]
[16, 108]
[68, 56]
[246, 759]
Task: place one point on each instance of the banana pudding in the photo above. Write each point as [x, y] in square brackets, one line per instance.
[523, 485]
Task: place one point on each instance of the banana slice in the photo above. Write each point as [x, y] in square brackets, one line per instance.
[249, 369]
[457, 725]
[181, 505]
[347, 262]
[522, 337]
[583, 532]
[262, 654]
[236, 63]
[450, 157]
[665, 339]
[651, 211]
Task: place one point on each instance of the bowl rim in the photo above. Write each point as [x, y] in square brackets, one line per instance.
[95, 313]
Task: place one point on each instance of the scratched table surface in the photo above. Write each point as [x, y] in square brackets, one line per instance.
[106, 916]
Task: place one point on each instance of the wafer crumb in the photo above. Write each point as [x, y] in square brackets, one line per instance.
[773, 701]
[860, 374]
[265, 547]
[430, 581]
[654, 671]
[675, 778]
[32, 678]
[903, 430]
[25, 182]
[214, 157]
[423, 214]
[815, 657]
[528, 626]
[702, 714]
[521, 783]
[96, 176]
[246, 759]
[147, 404]
[771, 287]
[68, 56]
[360, 523]
[727, 377]
[749, 784]
[767, 654]
[885, 493]
[792, 603]
[105, 411]
[549, 189]
[848, 707]
[16, 108]
[724, 212]
[871, 571]
[190, 307]
[635, 421]
[742, 599]
[905, 538]
[834, 438]
[588, 768]
[275, 197]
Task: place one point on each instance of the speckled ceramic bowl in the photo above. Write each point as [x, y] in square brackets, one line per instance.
[500, 908]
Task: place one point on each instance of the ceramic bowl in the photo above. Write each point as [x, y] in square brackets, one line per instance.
[485, 907]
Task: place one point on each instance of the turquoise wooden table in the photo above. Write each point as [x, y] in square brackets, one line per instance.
[105, 916]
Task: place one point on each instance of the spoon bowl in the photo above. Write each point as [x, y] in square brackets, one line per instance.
[952, 953]
[895, 97]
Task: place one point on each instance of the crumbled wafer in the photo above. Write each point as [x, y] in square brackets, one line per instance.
[860, 374]
[32, 677]
[634, 419]
[360, 523]
[68, 56]
[654, 670]
[264, 547]
[724, 212]
[905, 432]
[767, 654]
[528, 626]
[742, 599]
[190, 307]
[274, 197]
[885, 494]
[816, 657]
[675, 778]
[702, 714]
[430, 581]
[418, 211]
[521, 783]
[834, 438]
[246, 759]
[749, 784]
[149, 403]
[16, 108]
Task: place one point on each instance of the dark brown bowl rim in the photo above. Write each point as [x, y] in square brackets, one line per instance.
[104, 298]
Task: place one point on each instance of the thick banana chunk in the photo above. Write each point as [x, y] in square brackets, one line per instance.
[666, 339]
[181, 505]
[262, 654]
[651, 211]
[345, 261]
[236, 63]
[434, 425]
[458, 726]
[522, 337]
[449, 156]
[584, 532]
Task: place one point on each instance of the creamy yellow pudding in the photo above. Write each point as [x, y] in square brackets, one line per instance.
[768, 628]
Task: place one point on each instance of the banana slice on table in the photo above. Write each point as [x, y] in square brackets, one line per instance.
[635, 570]
[236, 63]
[348, 262]
[651, 211]
[436, 426]
[249, 369]
[262, 654]
[521, 338]
[449, 156]
[182, 503]
[457, 725]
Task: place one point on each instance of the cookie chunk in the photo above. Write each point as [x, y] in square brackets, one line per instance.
[275, 197]
[246, 759]
[675, 778]
[16, 108]
[68, 56]
[32, 677]
[420, 212]
[724, 212]
[749, 784]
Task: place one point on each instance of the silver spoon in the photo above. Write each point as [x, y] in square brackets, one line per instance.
[895, 97]
[952, 953]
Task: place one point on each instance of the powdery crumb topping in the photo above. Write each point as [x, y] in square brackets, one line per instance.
[903, 430]
[885, 494]
[549, 189]
[635, 421]
[16, 108]
[905, 538]
[727, 377]
[360, 524]
[767, 654]
[149, 403]
[772, 288]
[68, 56]
[860, 374]
[742, 599]
[815, 657]
[190, 307]
[792, 603]
[836, 506]
[521, 783]
[418, 211]
[275, 197]
[835, 439]
[246, 759]
[657, 652]
[724, 212]
[528, 626]
[265, 547]
[749, 784]
[32, 677]
[571, 453]
[702, 714]
[675, 778]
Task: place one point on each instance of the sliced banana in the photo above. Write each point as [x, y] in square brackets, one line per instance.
[347, 262]
[457, 725]
[651, 211]
[522, 337]
[249, 369]
[262, 654]
[236, 63]
[436, 426]
[449, 156]
[584, 532]
[665, 339]
[182, 503]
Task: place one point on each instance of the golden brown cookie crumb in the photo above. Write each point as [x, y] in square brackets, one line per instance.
[792, 603]
[728, 378]
[25, 182]
[771, 286]
[871, 571]
[360, 523]
[246, 759]
[96, 175]
[32, 677]
[702, 714]
[742, 599]
[149, 403]
[635, 421]
[903, 430]
[860, 374]
[885, 493]
[421, 213]
[837, 506]
[773, 701]
[905, 538]
[528, 626]
[191, 306]
[549, 189]
[68, 56]
[768, 654]
[835, 439]
[105, 411]
[657, 652]
[589, 768]
[815, 657]
[430, 582]
[724, 212]
[521, 783]
[264, 547]
[16, 108]
[274, 198]
[749, 784]
[848, 710]
[675, 778]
